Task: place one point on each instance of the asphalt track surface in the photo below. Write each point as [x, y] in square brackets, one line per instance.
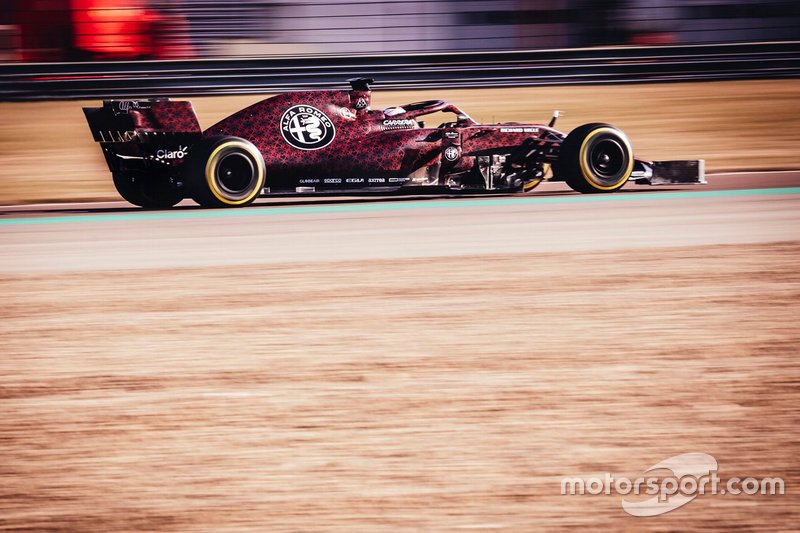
[731, 209]
[389, 364]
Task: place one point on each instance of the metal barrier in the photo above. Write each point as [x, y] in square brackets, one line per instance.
[48, 81]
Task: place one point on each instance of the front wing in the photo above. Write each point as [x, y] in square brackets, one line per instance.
[689, 172]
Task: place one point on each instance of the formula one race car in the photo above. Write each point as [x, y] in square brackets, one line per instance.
[332, 141]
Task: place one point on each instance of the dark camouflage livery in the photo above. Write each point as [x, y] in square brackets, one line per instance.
[376, 148]
[332, 140]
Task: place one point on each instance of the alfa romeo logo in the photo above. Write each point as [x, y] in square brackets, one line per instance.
[451, 153]
[307, 128]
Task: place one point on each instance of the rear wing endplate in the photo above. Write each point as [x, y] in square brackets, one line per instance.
[136, 120]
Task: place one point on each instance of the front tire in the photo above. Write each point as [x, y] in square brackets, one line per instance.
[225, 172]
[595, 158]
[148, 190]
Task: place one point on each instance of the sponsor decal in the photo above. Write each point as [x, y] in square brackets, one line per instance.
[396, 180]
[354, 180]
[451, 153]
[308, 181]
[519, 130]
[451, 134]
[123, 106]
[361, 103]
[398, 124]
[377, 180]
[333, 180]
[307, 128]
[180, 153]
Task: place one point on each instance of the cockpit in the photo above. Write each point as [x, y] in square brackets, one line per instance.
[447, 114]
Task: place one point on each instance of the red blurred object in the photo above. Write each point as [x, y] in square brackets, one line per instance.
[128, 29]
[653, 39]
[58, 30]
[118, 29]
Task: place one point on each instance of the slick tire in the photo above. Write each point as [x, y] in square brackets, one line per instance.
[595, 158]
[225, 172]
[150, 191]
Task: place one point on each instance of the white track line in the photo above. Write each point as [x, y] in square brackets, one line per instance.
[741, 172]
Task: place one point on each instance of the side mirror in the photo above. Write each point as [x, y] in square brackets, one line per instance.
[556, 114]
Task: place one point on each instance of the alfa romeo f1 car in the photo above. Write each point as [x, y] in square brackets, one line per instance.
[333, 141]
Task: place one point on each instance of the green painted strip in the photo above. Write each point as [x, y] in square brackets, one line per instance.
[255, 211]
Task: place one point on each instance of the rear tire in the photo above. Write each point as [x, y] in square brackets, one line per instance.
[595, 158]
[225, 172]
[148, 190]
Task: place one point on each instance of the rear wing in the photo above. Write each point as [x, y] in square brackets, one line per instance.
[120, 121]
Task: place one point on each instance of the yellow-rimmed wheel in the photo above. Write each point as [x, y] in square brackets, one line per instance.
[531, 184]
[595, 158]
[225, 172]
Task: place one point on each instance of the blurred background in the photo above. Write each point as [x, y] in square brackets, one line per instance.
[502, 60]
[81, 30]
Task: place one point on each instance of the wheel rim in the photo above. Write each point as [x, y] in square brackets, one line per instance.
[235, 174]
[607, 159]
